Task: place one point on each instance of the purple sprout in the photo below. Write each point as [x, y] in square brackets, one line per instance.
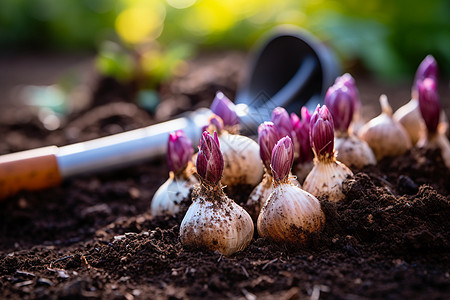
[322, 133]
[282, 159]
[429, 104]
[209, 159]
[428, 68]
[268, 136]
[340, 102]
[280, 117]
[179, 151]
[224, 108]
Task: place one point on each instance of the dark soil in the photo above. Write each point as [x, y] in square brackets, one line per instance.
[93, 237]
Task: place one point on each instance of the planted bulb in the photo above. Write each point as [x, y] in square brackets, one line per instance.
[351, 150]
[327, 175]
[214, 221]
[172, 197]
[409, 114]
[341, 106]
[385, 135]
[290, 215]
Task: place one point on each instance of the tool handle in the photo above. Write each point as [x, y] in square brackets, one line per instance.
[28, 170]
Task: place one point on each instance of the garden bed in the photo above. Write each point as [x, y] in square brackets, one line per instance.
[93, 236]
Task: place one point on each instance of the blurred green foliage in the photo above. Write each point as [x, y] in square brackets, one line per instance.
[151, 39]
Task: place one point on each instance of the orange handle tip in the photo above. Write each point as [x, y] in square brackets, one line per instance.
[29, 170]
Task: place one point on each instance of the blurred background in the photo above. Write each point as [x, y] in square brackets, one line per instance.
[139, 45]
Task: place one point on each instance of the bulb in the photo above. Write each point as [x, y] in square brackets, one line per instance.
[384, 134]
[261, 193]
[354, 152]
[173, 195]
[409, 115]
[290, 214]
[240, 153]
[351, 150]
[267, 138]
[214, 221]
[243, 165]
[430, 110]
[327, 175]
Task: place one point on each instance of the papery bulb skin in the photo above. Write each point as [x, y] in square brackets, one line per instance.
[243, 165]
[290, 215]
[326, 178]
[385, 136]
[280, 117]
[173, 196]
[339, 102]
[259, 196]
[179, 151]
[215, 222]
[354, 152]
[429, 105]
[428, 68]
[267, 138]
[261, 193]
[225, 109]
[327, 175]
[409, 117]
[209, 159]
[282, 157]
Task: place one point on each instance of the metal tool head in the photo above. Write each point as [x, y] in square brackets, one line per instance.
[288, 68]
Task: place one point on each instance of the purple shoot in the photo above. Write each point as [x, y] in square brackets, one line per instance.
[322, 133]
[282, 159]
[267, 138]
[224, 108]
[429, 104]
[179, 151]
[210, 159]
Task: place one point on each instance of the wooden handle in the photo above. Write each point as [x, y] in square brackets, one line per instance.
[28, 170]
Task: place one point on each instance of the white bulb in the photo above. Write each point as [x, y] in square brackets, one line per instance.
[352, 151]
[290, 215]
[216, 222]
[325, 179]
[242, 164]
[170, 196]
